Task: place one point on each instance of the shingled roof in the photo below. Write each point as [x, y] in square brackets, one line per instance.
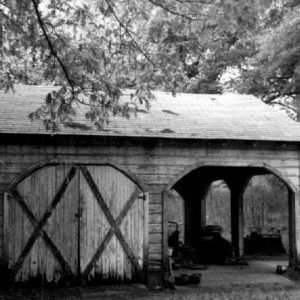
[196, 116]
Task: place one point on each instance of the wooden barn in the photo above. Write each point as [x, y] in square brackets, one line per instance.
[88, 205]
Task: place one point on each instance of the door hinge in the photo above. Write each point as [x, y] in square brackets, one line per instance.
[143, 196]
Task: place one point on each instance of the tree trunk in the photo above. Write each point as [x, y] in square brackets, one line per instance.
[297, 89]
[1, 41]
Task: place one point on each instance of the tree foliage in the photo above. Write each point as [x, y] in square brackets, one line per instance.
[270, 72]
[92, 51]
[86, 51]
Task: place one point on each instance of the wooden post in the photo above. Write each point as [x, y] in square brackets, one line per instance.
[4, 198]
[237, 187]
[203, 197]
[295, 225]
[294, 201]
[203, 210]
[5, 232]
[146, 236]
[195, 209]
[237, 221]
[292, 233]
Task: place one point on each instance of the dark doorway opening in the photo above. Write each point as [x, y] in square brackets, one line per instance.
[266, 216]
[217, 208]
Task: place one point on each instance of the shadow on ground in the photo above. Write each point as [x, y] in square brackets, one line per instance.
[256, 281]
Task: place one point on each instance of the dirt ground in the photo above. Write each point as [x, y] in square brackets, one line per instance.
[258, 272]
[256, 281]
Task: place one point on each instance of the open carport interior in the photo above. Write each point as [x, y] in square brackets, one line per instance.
[199, 247]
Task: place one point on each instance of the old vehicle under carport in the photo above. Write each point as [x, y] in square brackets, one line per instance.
[207, 247]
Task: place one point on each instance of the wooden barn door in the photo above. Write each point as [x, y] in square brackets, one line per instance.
[41, 227]
[71, 223]
[112, 226]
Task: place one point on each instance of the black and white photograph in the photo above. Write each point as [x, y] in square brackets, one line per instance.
[150, 149]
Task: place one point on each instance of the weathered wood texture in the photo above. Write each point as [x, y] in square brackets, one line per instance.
[41, 205]
[156, 164]
[72, 222]
[112, 227]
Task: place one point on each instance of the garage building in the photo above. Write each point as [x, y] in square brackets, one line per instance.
[84, 205]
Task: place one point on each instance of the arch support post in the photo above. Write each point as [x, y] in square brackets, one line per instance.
[194, 196]
[203, 196]
[237, 185]
[237, 222]
[294, 235]
[294, 230]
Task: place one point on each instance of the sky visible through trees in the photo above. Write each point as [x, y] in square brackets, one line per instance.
[91, 51]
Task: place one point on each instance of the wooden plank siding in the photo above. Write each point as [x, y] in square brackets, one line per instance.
[155, 165]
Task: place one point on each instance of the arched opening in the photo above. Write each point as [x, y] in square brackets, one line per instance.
[175, 210]
[218, 207]
[266, 216]
[216, 216]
